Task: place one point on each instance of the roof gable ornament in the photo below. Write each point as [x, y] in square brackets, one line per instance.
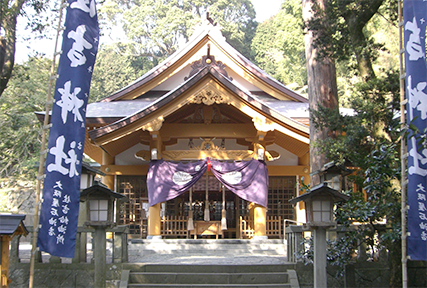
[208, 97]
[208, 60]
[211, 21]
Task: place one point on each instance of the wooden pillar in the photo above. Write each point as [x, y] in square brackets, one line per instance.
[4, 263]
[257, 212]
[108, 180]
[154, 222]
[260, 220]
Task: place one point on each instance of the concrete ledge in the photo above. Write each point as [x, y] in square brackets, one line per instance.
[293, 279]
[124, 280]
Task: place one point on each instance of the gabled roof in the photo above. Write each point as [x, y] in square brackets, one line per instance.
[137, 120]
[100, 189]
[11, 224]
[321, 189]
[177, 61]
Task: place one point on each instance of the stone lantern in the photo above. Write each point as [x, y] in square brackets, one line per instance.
[100, 214]
[319, 203]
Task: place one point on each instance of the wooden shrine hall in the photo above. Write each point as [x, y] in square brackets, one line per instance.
[206, 101]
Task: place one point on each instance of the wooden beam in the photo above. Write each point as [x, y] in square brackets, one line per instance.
[301, 170]
[212, 130]
[125, 169]
[179, 155]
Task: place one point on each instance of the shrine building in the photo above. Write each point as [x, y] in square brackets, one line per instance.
[224, 145]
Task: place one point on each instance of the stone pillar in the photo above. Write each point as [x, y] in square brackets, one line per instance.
[260, 220]
[154, 222]
[320, 276]
[14, 250]
[100, 257]
[120, 251]
[108, 180]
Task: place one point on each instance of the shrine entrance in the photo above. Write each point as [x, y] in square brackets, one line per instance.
[175, 212]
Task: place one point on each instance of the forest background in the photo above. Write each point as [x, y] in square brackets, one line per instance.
[360, 36]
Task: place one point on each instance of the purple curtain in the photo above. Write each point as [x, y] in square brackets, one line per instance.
[247, 179]
[168, 180]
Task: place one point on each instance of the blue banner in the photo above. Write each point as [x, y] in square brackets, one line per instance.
[61, 192]
[415, 17]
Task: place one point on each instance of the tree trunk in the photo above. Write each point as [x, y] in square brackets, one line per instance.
[356, 22]
[322, 88]
[8, 41]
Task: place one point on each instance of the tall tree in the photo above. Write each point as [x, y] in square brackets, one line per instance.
[341, 33]
[278, 46]
[114, 69]
[19, 133]
[322, 85]
[156, 28]
[9, 12]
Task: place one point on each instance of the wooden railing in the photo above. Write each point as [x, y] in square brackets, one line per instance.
[246, 227]
[174, 226]
[273, 227]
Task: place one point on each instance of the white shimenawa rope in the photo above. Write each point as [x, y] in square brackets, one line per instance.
[190, 224]
[223, 212]
[207, 217]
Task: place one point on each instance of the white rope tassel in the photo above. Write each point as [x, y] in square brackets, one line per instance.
[223, 212]
[190, 224]
[207, 217]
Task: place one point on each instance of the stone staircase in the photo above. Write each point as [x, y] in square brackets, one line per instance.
[208, 263]
[220, 247]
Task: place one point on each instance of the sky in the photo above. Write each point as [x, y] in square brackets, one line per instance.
[264, 10]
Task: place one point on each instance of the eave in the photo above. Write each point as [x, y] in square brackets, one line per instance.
[181, 58]
[183, 94]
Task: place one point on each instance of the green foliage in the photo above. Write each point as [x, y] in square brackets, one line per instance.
[344, 31]
[373, 133]
[278, 46]
[114, 69]
[156, 28]
[374, 102]
[20, 129]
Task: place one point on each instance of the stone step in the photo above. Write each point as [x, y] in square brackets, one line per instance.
[208, 278]
[211, 286]
[176, 268]
[201, 250]
[209, 247]
[178, 275]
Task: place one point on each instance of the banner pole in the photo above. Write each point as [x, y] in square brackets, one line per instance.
[46, 126]
[403, 149]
